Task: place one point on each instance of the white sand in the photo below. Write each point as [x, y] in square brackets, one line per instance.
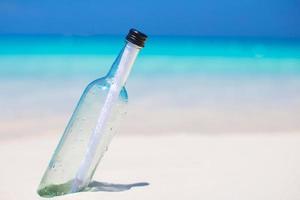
[245, 166]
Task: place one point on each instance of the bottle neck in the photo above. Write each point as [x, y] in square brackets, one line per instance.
[121, 67]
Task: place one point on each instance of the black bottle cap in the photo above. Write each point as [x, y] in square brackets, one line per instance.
[136, 37]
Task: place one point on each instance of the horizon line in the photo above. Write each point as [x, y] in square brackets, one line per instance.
[268, 37]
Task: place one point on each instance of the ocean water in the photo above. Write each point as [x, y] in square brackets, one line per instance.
[27, 56]
[217, 84]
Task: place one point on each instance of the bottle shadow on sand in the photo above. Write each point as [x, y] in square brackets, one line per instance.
[96, 186]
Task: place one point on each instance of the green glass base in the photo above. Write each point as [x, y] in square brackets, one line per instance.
[55, 190]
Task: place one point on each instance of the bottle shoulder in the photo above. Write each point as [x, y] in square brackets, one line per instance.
[104, 84]
[100, 82]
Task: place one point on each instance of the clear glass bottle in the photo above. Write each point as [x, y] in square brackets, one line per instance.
[91, 126]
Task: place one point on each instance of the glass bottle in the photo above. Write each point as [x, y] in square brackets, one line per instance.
[91, 126]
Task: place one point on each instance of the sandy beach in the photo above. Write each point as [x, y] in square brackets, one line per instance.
[180, 166]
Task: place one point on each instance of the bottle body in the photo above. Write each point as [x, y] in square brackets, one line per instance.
[71, 150]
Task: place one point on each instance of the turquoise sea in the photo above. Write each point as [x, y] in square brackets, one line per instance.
[183, 84]
[25, 56]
